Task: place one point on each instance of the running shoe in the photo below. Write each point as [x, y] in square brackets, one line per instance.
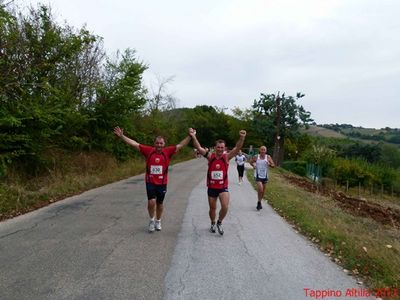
[152, 226]
[212, 228]
[259, 206]
[220, 229]
[158, 225]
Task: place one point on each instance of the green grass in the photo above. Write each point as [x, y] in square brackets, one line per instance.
[358, 244]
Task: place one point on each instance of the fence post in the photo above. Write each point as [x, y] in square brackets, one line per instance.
[347, 186]
[359, 189]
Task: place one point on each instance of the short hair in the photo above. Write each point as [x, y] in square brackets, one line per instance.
[220, 142]
[263, 147]
[159, 137]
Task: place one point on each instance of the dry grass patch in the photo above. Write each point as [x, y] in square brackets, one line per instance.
[69, 174]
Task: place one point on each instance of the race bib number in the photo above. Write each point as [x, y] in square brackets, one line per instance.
[262, 173]
[217, 175]
[156, 170]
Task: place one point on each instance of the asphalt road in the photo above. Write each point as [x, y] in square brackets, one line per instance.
[96, 246]
[259, 256]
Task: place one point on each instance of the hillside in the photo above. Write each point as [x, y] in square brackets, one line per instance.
[368, 135]
[315, 130]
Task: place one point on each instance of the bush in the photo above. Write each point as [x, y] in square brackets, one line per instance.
[297, 167]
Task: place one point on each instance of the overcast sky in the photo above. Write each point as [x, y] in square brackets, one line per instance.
[344, 55]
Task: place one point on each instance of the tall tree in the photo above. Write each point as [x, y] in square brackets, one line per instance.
[120, 98]
[47, 73]
[277, 117]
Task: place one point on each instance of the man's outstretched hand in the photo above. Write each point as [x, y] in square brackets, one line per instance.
[118, 131]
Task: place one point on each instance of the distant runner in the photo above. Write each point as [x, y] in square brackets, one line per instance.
[240, 159]
[157, 163]
[260, 163]
[217, 177]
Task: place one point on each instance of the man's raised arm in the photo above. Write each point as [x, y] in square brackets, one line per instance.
[239, 144]
[196, 143]
[119, 132]
[185, 141]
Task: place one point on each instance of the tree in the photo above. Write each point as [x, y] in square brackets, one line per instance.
[390, 156]
[277, 118]
[320, 157]
[47, 73]
[159, 99]
[120, 99]
[243, 119]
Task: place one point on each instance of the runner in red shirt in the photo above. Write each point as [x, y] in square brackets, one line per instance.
[217, 177]
[157, 162]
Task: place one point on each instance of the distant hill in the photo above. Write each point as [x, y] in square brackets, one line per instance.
[316, 130]
[386, 135]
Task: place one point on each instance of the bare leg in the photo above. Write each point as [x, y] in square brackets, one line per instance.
[213, 208]
[151, 207]
[224, 199]
[159, 210]
[263, 190]
[260, 190]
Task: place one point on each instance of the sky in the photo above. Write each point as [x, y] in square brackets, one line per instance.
[344, 55]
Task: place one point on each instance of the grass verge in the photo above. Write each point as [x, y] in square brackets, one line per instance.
[70, 174]
[364, 248]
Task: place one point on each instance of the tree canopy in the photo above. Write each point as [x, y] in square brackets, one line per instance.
[277, 117]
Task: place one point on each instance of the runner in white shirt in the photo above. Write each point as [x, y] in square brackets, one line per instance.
[261, 163]
[240, 159]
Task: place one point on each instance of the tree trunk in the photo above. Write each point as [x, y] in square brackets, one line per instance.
[278, 153]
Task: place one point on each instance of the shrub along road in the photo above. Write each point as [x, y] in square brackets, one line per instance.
[96, 246]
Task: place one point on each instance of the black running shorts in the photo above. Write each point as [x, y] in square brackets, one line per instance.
[262, 180]
[156, 192]
[214, 193]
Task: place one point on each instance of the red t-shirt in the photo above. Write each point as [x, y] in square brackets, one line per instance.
[217, 174]
[157, 163]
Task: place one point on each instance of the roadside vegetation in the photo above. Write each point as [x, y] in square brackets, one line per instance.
[72, 173]
[365, 248]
